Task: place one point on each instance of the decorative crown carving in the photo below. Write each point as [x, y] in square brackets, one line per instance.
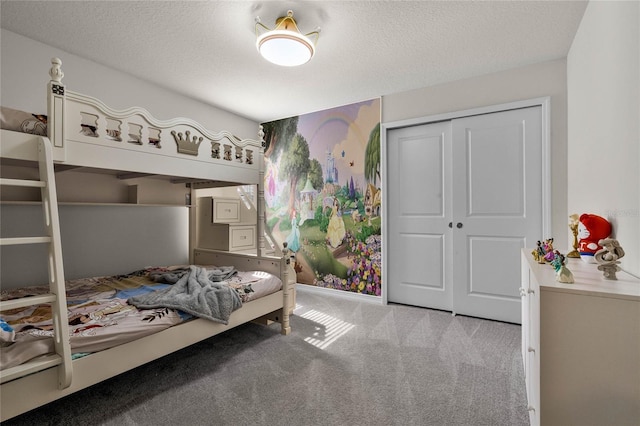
[187, 145]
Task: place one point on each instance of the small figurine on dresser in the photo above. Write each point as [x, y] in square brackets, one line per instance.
[548, 248]
[591, 229]
[607, 257]
[544, 251]
[538, 253]
[563, 274]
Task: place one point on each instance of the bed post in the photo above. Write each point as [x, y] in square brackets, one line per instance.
[55, 109]
[284, 276]
[261, 204]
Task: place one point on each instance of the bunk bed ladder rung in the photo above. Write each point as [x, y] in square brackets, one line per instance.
[7, 305]
[39, 364]
[24, 240]
[23, 182]
[56, 296]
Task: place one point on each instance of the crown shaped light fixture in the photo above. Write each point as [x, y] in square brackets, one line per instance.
[285, 45]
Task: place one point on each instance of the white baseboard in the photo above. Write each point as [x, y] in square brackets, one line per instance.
[339, 293]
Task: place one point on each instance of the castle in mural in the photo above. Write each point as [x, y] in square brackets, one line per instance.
[323, 197]
[331, 172]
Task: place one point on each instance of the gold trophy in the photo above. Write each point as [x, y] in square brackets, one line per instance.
[574, 220]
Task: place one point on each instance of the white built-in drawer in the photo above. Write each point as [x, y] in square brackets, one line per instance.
[226, 210]
[241, 237]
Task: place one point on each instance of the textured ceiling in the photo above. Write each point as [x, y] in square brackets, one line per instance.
[206, 49]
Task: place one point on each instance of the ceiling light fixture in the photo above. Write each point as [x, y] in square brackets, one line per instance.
[285, 45]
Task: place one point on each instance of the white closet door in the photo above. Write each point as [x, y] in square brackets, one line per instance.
[419, 208]
[497, 208]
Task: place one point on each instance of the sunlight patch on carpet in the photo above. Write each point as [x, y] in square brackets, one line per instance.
[328, 328]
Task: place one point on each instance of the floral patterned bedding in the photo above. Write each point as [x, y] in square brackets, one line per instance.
[99, 315]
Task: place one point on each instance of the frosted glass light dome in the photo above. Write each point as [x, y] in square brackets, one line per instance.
[285, 45]
[286, 48]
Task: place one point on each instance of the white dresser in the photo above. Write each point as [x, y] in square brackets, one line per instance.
[580, 345]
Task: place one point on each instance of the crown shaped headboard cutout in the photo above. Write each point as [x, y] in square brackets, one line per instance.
[187, 145]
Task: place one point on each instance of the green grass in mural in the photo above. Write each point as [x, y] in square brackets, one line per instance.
[272, 222]
[313, 240]
[322, 261]
[316, 252]
[285, 225]
[311, 231]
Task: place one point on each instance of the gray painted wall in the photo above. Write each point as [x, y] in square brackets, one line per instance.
[96, 240]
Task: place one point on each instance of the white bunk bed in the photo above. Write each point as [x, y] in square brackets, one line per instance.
[84, 132]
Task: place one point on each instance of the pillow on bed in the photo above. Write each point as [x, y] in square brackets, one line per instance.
[20, 121]
[88, 130]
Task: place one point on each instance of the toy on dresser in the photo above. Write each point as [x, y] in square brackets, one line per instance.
[563, 274]
[544, 251]
[591, 230]
[607, 257]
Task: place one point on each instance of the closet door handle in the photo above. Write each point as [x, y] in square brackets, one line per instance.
[459, 225]
[450, 224]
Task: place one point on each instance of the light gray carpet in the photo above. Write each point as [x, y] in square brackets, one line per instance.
[346, 363]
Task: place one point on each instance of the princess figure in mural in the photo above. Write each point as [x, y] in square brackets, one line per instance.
[336, 230]
[270, 185]
[293, 240]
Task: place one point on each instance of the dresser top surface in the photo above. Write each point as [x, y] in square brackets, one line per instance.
[588, 279]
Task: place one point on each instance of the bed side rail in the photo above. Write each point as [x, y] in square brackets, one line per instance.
[56, 295]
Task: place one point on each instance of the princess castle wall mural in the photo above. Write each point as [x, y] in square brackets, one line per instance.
[323, 197]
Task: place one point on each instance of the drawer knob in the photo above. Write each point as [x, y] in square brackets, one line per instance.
[530, 349]
[530, 408]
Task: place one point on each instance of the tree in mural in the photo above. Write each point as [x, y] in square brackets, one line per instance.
[315, 174]
[277, 136]
[352, 190]
[372, 156]
[295, 164]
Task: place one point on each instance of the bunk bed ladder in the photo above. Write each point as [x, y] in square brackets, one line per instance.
[56, 295]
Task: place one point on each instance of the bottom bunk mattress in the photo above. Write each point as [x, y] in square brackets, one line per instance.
[102, 314]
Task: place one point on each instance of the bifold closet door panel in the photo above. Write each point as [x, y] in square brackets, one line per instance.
[419, 208]
[497, 208]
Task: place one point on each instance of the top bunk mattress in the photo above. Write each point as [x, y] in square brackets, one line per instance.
[101, 314]
[23, 122]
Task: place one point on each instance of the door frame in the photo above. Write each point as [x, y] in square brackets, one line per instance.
[543, 102]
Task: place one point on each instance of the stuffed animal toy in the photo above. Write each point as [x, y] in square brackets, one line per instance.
[591, 229]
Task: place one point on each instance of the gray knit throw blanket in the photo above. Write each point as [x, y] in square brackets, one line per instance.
[196, 293]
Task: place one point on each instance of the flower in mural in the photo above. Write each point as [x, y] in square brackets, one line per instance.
[364, 275]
